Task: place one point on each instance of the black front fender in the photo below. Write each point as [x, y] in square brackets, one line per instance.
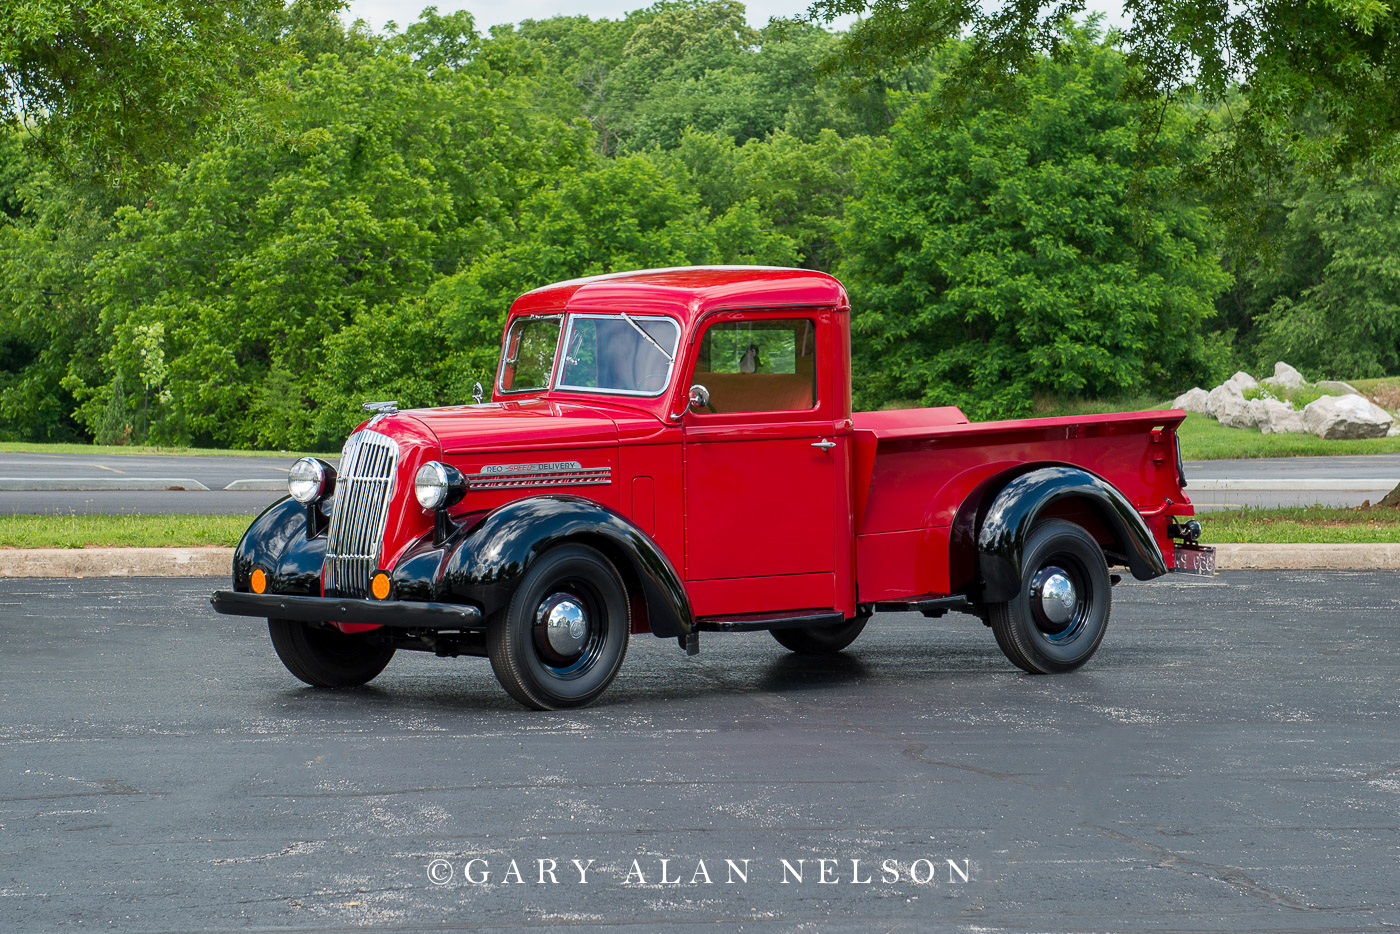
[485, 559]
[277, 543]
[1002, 537]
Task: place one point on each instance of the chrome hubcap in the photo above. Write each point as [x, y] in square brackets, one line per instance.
[564, 623]
[1055, 591]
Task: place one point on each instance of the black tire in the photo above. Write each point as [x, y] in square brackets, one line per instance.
[567, 584]
[820, 640]
[1028, 628]
[327, 658]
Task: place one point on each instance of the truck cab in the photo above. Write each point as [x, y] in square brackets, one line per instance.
[673, 452]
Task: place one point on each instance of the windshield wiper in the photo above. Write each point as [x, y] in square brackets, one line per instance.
[638, 328]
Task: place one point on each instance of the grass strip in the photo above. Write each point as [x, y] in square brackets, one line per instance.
[1204, 439]
[1260, 526]
[122, 531]
[1306, 524]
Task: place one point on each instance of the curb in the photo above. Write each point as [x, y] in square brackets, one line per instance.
[260, 486]
[1308, 557]
[116, 562]
[218, 562]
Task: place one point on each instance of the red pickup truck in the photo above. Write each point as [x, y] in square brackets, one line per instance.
[673, 451]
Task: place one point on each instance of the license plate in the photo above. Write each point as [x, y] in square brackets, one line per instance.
[1194, 559]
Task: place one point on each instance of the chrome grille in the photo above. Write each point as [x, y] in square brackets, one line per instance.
[363, 487]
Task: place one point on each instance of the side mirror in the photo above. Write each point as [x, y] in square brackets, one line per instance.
[699, 397]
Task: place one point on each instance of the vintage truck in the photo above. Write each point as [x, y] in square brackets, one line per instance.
[673, 452]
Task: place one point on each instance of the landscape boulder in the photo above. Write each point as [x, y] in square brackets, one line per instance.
[1273, 417]
[1340, 417]
[1195, 399]
[1241, 381]
[1226, 401]
[1231, 408]
[1336, 387]
[1285, 377]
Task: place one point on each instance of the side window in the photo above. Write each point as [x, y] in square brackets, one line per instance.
[529, 354]
[759, 366]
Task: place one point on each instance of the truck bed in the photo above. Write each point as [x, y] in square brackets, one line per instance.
[914, 468]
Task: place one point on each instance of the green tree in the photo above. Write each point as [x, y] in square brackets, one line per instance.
[382, 174]
[48, 328]
[118, 87]
[616, 215]
[1331, 294]
[993, 254]
[800, 187]
[1320, 81]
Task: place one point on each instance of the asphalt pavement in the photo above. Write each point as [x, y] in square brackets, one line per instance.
[1227, 762]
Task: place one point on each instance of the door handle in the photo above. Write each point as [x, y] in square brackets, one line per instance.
[824, 444]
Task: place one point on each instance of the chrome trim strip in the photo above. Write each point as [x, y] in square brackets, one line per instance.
[558, 473]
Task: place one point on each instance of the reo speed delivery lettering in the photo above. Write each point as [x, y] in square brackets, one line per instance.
[673, 452]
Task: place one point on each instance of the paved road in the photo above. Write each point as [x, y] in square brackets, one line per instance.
[213, 503]
[1227, 763]
[1362, 476]
[217, 472]
[213, 472]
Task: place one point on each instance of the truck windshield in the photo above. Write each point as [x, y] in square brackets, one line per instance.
[528, 359]
[626, 354]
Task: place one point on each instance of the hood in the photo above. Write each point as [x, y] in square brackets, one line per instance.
[513, 425]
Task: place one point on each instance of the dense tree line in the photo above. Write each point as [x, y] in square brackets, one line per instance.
[356, 216]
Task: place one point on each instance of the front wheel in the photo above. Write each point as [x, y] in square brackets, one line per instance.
[820, 640]
[562, 639]
[1058, 617]
[327, 658]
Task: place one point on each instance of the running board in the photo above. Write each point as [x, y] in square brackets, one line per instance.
[752, 622]
[930, 606]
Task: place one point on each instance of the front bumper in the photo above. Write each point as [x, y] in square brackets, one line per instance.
[400, 614]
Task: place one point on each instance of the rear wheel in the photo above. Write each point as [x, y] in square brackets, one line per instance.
[327, 658]
[1058, 617]
[561, 641]
[821, 640]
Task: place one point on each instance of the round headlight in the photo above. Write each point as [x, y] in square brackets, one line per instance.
[438, 485]
[306, 481]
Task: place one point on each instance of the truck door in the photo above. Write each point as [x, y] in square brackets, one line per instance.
[759, 465]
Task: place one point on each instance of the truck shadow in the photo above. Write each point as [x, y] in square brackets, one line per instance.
[812, 672]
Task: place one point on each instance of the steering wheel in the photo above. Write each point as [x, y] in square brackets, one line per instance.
[652, 382]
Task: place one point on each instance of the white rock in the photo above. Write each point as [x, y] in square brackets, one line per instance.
[1353, 416]
[1394, 430]
[1285, 376]
[1193, 400]
[1336, 387]
[1274, 417]
[1231, 408]
[1241, 381]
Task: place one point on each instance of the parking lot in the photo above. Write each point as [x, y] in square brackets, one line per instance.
[1228, 761]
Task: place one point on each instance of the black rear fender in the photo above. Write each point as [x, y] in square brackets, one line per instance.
[1066, 492]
